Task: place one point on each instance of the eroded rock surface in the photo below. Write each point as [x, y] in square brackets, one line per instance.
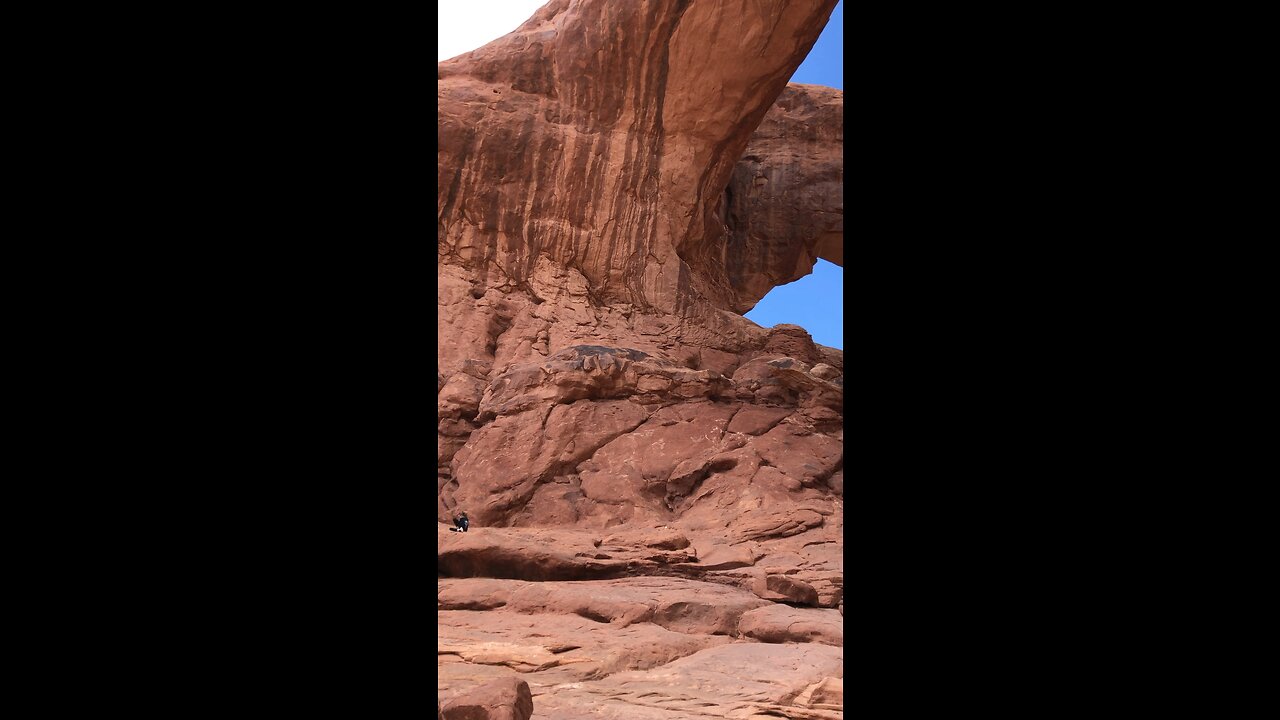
[611, 647]
[780, 623]
[655, 483]
[502, 699]
[732, 680]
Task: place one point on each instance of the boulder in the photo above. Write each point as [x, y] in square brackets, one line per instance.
[783, 624]
[504, 699]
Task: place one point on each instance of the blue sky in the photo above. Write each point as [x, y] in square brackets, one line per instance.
[815, 302]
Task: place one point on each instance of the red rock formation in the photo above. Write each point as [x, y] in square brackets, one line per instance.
[503, 699]
[599, 138]
[785, 202]
[618, 182]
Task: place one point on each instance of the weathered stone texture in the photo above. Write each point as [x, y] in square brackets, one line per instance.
[655, 483]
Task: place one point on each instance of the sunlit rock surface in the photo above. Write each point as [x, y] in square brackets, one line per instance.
[655, 484]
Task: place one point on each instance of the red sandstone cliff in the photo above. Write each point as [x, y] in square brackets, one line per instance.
[617, 183]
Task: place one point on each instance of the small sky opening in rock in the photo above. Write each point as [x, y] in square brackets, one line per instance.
[817, 299]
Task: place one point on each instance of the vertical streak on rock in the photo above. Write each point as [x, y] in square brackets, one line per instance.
[601, 135]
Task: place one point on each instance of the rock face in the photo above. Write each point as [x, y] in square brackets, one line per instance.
[779, 623]
[503, 699]
[655, 483]
[785, 201]
[600, 137]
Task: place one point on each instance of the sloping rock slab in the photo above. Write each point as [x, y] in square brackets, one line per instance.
[542, 554]
[730, 681]
[553, 649]
[676, 604]
[782, 624]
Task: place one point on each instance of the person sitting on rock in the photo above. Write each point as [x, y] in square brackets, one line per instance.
[461, 522]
